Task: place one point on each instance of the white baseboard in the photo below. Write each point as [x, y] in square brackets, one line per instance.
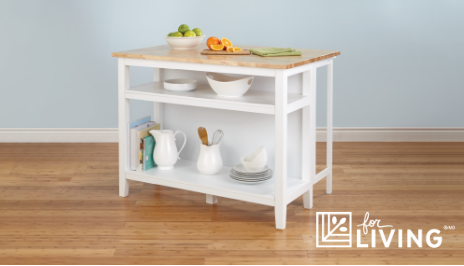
[344, 134]
[59, 135]
[390, 134]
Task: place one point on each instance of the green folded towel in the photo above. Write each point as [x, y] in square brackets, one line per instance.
[275, 51]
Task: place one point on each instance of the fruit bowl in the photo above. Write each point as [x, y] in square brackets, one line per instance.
[184, 43]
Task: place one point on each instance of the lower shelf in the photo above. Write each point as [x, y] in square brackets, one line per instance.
[185, 176]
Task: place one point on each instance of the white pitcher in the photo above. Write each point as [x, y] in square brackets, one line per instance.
[165, 154]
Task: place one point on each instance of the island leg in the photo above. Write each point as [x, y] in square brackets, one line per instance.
[309, 136]
[280, 173]
[211, 199]
[329, 125]
[123, 117]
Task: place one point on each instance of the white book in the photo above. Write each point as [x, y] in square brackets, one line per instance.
[135, 143]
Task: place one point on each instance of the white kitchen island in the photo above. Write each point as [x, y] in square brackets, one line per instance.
[279, 191]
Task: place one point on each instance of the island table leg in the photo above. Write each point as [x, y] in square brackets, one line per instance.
[123, 117]
[280, 173]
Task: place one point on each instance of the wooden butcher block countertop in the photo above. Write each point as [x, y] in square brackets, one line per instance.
[165, 53]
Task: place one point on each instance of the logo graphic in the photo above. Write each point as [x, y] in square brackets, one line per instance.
[333, 229]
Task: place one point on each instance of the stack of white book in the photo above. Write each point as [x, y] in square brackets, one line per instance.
[141, 143]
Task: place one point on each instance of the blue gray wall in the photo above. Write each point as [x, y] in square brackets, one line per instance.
[401, 62]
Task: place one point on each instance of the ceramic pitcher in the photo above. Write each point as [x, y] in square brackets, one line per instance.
[209, 161]
[165, 154]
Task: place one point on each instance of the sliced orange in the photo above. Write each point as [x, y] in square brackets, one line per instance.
[226, 42]
[217, 47]
[230, 49]
[237, 49]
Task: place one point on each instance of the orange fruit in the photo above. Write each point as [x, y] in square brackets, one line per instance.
[217, 47]
[237, 49]
[212, 41]
[226, 42]
[229, 49]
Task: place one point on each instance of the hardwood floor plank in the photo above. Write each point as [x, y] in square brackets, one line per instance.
[60, 204]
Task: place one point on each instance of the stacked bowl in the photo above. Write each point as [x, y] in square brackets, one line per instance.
[253, 169]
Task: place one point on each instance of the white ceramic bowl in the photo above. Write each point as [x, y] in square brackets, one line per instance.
[227, 85]
[252, 166]
[180, 84]
[184, 43]
[259, 155]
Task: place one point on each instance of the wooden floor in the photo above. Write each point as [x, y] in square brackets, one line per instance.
[59, 204]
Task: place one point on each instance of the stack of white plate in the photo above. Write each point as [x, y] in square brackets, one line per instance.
[240, 174]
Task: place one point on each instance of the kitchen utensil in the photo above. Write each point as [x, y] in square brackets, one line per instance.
[165, 154]
[180, 84]
[203, 134]
[229, 86]
[253, 166]
[217, 137]
[184, 43]
[222, 52]
[209, 161]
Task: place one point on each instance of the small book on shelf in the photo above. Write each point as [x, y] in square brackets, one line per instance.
[139, 152]
[148, 144]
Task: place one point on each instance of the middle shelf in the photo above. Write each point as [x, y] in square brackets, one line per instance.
[262, 102]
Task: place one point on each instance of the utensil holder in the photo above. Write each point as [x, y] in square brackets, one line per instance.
[210, 160]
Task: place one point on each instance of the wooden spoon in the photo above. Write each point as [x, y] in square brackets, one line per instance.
[203, 135]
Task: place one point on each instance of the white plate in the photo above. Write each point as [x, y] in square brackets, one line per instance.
[239, 168]
[250, 176]
[180, 84]
[251, 179]
[250, 183]
[266, 173]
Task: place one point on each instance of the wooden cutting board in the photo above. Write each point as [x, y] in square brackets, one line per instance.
[222, 52]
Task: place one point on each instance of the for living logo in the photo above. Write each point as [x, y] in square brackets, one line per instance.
[333, 229]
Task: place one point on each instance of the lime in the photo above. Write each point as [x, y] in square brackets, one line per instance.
[197, 32]
[175, 34]
[189, 34]
[183, 28]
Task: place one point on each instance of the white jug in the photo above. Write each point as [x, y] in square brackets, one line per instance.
[209, 161]
[165, 154]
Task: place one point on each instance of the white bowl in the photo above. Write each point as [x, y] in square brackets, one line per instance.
[259, 155]
[252, 166]
[184, 43]
[229, 86]
[180, 84]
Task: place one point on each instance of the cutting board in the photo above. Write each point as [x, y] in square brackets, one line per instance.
[222, 52]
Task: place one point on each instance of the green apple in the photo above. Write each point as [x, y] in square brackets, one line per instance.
[175, 34]
[189, 34]
[198, 31]
[183, 28]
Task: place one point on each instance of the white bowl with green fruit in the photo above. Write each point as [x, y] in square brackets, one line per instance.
[184, 38]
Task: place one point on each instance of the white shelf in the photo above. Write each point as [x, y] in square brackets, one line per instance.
[203, 96]
[185, 176]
